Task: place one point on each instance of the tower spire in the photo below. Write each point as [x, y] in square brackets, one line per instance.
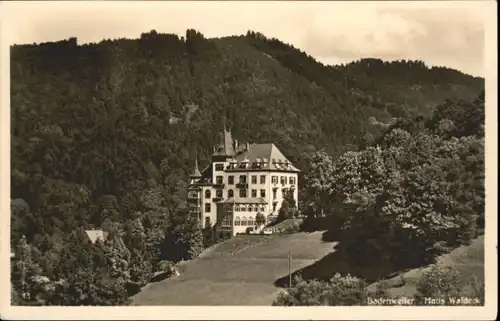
[196, 171]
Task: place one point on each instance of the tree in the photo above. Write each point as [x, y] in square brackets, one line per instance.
[183, 240]
[316, 184]
[260, 219]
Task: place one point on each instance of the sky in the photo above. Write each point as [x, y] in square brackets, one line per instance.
[445, 33]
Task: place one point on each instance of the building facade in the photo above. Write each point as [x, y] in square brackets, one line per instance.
[243, 187]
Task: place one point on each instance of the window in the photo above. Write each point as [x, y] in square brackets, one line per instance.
[262, 179]
[219, 193]
[243, 179]
[230, 193]
[207, 221]
[207, 207]
[219, 180]
[226, 221]
[291, 180]
[254, 179]
[262, 209]
[251, 221]
[256, 208]
[243, 221]
[237, 208]
[262, 193]
[237, 221]
[243, 193]
[274, 179]
[219, 167]
[274, 207]
[254, 193]
[207, 193]
[230, 179]
[283, 180]
[274, 194]
[285, 191]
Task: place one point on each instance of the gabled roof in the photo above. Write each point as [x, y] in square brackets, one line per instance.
[268, 155]
[243, 200]
[94, 235]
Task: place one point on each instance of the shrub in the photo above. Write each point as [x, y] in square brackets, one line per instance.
[291, 229]
[340, 290]
[438, 282]
[164, 266]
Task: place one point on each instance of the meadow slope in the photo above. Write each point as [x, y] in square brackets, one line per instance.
[241, 271]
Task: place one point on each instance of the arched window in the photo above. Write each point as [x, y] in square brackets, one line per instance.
[219, 193]
[230, 193]
[237, 221]
[207, 193]
[243, 221]
[251, 221]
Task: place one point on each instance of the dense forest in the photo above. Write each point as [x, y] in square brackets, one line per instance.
[415, 193]
[104, 136]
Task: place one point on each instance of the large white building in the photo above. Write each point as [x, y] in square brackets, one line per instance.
[241, 183]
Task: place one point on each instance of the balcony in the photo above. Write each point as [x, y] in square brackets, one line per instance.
[193, 196]
[242, 185]
[218, 185]
[217, 199]
[194, 209]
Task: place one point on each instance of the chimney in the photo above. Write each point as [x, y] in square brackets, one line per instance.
[248, 146]
[235, 145]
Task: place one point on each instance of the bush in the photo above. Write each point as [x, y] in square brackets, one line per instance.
[291, 229]
[164, 266]
[438, 282]
[340, 290]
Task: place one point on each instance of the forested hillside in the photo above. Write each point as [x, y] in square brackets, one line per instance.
[104, 135]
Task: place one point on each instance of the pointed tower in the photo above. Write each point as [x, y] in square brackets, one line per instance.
[195, 175]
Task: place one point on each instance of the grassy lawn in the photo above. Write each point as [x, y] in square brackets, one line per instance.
[240, 271]
[248, 270]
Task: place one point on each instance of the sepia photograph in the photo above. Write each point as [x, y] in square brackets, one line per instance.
[249, 160]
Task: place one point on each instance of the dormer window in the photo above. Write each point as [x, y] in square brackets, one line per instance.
[244, 163]
[233, 163]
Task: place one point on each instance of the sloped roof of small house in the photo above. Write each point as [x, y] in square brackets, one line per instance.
[94, 235]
